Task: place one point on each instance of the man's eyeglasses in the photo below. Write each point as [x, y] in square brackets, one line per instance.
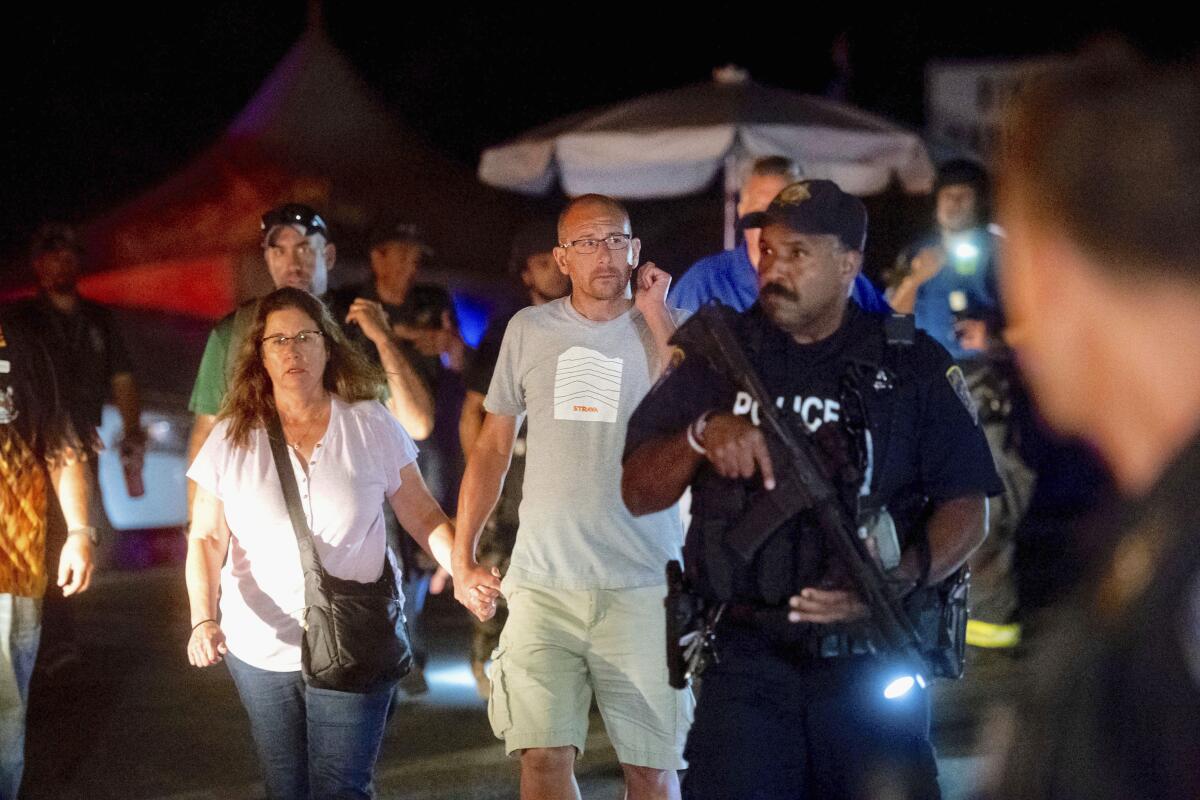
[303, 338]
[614, 241]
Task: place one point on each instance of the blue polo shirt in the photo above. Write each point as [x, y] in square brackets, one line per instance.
[729, 278]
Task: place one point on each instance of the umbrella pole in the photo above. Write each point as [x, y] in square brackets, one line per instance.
[731, 191]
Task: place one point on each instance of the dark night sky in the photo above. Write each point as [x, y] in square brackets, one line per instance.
[102, 104]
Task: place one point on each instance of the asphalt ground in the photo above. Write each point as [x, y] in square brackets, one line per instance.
[132, 720]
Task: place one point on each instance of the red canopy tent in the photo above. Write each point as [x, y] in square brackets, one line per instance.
[314, 133]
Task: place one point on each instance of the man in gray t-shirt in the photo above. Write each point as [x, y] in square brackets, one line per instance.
[585, 584]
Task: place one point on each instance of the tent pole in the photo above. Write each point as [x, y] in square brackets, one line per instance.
[731, 189]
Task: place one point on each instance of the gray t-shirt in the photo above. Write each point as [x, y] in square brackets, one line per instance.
[579, 382]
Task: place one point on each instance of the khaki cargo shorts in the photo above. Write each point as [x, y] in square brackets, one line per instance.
[560, 646]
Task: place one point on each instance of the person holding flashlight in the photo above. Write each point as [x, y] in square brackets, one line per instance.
[947, 279]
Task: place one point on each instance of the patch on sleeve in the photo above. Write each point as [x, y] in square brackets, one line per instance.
[958, 382]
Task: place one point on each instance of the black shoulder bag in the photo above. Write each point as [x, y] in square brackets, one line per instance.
[354, 633]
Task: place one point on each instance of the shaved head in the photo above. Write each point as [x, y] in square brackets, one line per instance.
[590, 202]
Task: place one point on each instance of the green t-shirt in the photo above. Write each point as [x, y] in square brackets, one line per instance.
[212, 380]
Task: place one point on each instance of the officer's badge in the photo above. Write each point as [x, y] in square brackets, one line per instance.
[796, 193]
[677, 357]
[8, 407]
[958, 382]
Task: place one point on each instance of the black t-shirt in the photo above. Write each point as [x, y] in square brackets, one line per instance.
[934, 450]
[439, 457]
[482, 362]
[87, 349]
[428, 368]
[30, 399]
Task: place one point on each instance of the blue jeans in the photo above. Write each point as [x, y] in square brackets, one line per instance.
[312, 743]
[20, 631]
[770, 726]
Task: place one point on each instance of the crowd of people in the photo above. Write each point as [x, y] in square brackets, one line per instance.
[1006, 379]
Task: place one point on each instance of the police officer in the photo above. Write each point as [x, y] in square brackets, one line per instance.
[795, 705]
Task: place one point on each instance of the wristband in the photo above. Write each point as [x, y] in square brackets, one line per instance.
[203, 621]
[89, 531]
[695, 433]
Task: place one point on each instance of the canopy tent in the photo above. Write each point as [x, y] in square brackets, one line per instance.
[674, 143]
[313, 133]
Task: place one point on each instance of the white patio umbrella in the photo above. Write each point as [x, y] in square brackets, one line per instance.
[673, 143]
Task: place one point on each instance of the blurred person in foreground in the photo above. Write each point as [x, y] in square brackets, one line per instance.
[1099, 195]
[532, 258]
[40, 457]
[349, 456]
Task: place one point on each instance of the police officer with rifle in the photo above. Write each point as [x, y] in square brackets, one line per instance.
[839, 480]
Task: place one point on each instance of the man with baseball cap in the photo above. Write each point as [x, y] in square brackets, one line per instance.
[299, 253]
[731, 276]
[794, 705]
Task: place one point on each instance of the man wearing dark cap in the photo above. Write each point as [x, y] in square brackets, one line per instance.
[421, 318]
[947, 278]
[794, 705]
[92, 365]
[83, 339]
[298, 253]
[731, 276]
[532, 258]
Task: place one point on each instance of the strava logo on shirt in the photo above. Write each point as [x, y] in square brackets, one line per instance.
[587, 386]
[813, 411]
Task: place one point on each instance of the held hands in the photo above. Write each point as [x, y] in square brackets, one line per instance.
[651, 288]
[477, 588]
[206, 645]
[737, 449]
[371, 318]
[75, 565]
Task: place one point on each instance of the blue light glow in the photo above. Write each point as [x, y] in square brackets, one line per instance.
[899, 687]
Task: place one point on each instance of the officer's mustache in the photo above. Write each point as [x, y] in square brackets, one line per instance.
[782, 292]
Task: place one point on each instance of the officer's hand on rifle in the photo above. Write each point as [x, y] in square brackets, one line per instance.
[736, 448]
[827, 605]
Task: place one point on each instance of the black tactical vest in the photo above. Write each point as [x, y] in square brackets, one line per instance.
[879, 369]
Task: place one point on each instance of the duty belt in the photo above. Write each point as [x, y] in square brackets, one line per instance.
[806, 640]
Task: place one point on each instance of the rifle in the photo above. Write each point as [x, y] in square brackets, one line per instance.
[802, 484]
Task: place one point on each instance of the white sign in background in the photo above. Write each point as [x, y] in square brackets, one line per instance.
[965, 101]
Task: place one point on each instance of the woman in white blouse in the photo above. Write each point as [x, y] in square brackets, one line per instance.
[349, 455]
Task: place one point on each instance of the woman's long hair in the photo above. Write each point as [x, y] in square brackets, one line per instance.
[250, 401]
